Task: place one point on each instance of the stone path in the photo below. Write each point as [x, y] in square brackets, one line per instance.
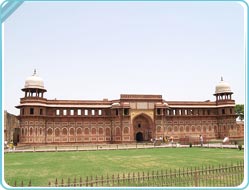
[88, 147]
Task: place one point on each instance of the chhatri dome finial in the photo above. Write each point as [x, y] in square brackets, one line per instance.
[222, 87]
[34, 82]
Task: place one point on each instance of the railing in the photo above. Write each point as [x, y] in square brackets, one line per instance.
[81, 147]
[221, 176]
[22, 184]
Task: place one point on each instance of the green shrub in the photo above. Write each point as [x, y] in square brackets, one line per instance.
[240, 147]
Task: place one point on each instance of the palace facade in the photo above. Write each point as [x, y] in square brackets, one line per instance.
[131, 118]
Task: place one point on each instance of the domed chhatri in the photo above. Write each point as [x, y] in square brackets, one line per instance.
[223, 87]
[34, 82]
[34, 87]
[223, 92]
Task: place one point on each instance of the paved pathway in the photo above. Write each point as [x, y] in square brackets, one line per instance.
[88, 147]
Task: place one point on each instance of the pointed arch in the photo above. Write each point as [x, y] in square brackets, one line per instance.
[143, 127]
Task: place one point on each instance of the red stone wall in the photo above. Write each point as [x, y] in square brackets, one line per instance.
[112, 124]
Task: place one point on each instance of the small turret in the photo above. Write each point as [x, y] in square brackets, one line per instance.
[34, 86]
[223, 91]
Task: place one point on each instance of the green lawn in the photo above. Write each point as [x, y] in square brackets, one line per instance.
[43, 167]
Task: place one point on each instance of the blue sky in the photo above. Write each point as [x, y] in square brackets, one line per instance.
[96, 50]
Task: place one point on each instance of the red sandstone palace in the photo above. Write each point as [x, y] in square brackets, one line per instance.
[131, 118]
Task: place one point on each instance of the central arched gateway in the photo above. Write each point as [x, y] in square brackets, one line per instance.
[143, 128]
[139, 137]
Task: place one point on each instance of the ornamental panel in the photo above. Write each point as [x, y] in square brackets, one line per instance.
[149, 113]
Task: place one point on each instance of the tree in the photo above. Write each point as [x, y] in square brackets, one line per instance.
[239, 110]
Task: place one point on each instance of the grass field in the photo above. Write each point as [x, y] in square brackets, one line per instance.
[46, 166]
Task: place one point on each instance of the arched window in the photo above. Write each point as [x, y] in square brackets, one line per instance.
[107, 131]
[158, 129]
[101, 131]
[181, 128]
[30, 131]
[187, 128]
[71, 131]
[170, 129]
[175, 128]
[57, 132]
[86, 131]
[199, 128]
[118, 131]
[64, 131]
[126, 130]
[93, 131]
[79, 131]
[204, 129]
[193, 128]
[50, 131]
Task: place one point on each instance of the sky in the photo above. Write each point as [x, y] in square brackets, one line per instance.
[95, 50]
